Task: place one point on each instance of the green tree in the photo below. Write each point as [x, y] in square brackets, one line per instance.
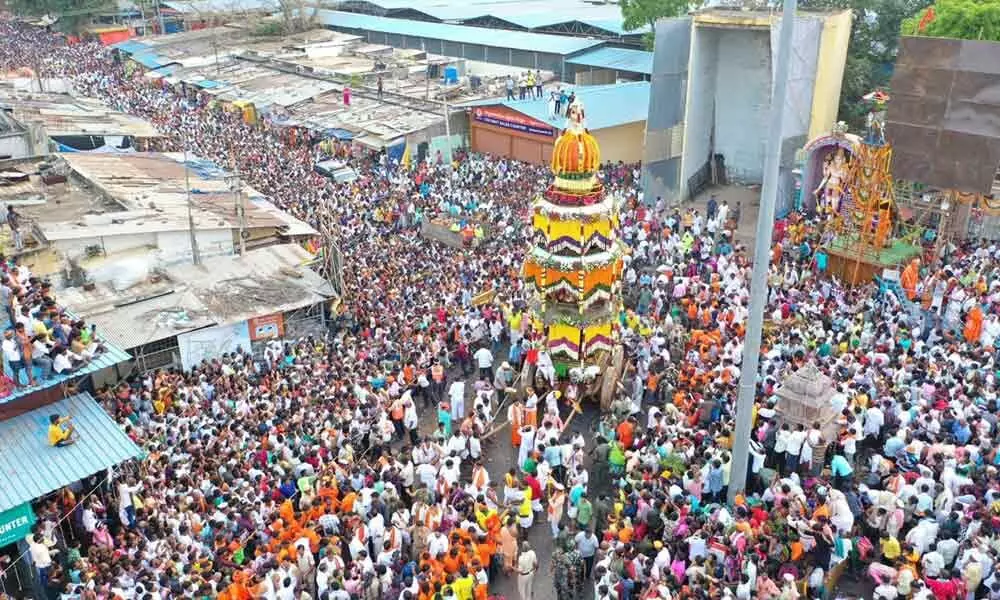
[637, 14]
[961, 19]
[72, 14]
[872, 50]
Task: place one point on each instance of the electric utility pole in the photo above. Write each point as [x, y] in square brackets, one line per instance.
[195, 255]
[236, 184]
[761, 259]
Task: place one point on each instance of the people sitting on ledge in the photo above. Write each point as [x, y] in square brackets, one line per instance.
[36, 327]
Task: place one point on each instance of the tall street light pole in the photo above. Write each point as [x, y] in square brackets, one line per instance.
[761, 259]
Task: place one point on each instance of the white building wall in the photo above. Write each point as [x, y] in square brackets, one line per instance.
[164, 248]
[175, 246]
[15, 145]
[113, 244]
[700, 101]
[742, 101]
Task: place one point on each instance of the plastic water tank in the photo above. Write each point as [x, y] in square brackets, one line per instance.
[450, 75]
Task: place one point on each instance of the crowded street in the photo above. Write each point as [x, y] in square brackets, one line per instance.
[399, 456]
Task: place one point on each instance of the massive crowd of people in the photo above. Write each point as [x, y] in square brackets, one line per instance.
[313, 474]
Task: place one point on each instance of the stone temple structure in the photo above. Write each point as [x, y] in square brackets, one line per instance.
[804, 398]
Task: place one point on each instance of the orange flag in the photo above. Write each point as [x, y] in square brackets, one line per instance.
[927, 19]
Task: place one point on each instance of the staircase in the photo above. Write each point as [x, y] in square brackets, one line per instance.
[912, 308]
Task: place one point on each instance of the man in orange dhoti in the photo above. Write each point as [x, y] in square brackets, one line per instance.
[515, 414]
[973, 324]
[911, 274]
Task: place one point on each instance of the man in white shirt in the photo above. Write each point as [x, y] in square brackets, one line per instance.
[458, 445]
[874, 420]
[793, 448]
[456, 395]
[40, 557]
[437, 544]
[427, 474]
[126, 512]
[12, 352]
[932, 562]
[484, 359]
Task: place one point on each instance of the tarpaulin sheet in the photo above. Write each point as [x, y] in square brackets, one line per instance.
[340, 134]
[113, 37]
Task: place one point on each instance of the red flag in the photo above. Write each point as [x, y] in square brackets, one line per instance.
[927, 19]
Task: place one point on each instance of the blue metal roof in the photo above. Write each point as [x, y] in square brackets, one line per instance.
[131, 46]
[606, 105]
[338, 133]
[543, 20]
[150, 60]
[530, 14]
[615, 26]
[111, 356]
[496, 38]
[618, 59]
[30, 467]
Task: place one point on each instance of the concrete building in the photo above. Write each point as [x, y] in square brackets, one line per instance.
[35, 124]
[712, 83]
[524, 129]
[115, 217]
[176, 316]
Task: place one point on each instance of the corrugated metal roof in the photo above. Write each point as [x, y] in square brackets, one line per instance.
[62, 114]
[150, 60]
[131, 46]
[109, 358]
[615, 26]
[530, 14]
[496, 38]
[30, 467]
[139, 181]
[145, 321]
[618, 59]
[606, 105]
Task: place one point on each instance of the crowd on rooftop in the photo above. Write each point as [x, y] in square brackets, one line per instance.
[312, 473]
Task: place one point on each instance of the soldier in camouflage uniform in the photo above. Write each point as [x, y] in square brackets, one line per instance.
[560, 573]
[575, 570]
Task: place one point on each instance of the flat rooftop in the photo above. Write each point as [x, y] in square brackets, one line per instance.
[120, 194]
[21, 186]
[151, 190]
[222, 290]
[299, 79]
[204, 47]
[65, 115]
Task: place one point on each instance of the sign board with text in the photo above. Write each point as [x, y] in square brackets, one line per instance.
[16, 523]
[510, 120]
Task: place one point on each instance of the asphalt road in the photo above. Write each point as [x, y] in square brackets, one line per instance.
[500, 456]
